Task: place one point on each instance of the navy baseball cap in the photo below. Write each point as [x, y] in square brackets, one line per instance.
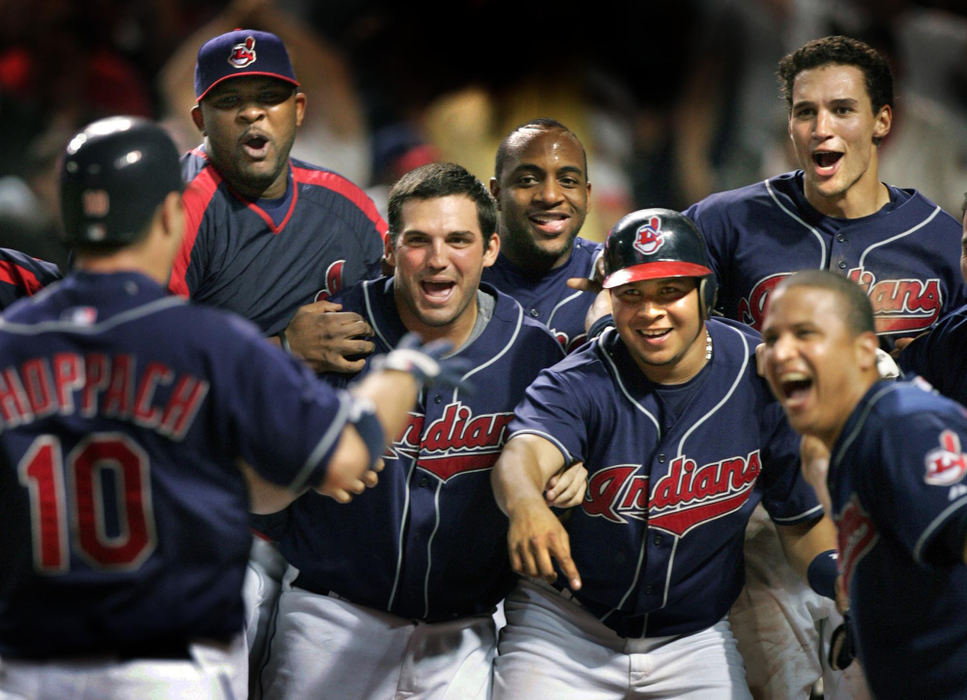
[239, 53]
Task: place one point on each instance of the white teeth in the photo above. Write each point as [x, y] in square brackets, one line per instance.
[794, 377]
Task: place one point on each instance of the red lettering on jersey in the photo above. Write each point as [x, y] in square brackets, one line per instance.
[145, 414]
[947, 465]
[333, 281]
[40, 386]
[455, 443]
[857, 536]
[68, 378]
[182, 407]
[903, 305]
[752, 311]
[682, 499]
[97, 369]
[119, 397]
[14, 406]
[605, 489]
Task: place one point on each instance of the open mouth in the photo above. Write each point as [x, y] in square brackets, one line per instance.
[826, 159]
[437, 291]
[256, 146]
[795, 386]
[551, 223]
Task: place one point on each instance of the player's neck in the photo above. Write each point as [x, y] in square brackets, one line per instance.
[867, 196]
[529, 260]
[456, 332]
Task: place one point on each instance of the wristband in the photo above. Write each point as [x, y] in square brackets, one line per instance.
[284, 342]
[822, 573]
[362, 416]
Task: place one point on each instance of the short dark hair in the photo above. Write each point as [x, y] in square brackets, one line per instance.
[844, 51]
[856, 307]
[542, 123]
[441, 180]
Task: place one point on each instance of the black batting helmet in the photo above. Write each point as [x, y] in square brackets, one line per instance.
[116, 172]
[654, 243]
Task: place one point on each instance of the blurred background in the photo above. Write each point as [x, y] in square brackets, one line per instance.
[673, 99]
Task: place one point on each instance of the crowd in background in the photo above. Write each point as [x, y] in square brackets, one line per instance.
[674, 98]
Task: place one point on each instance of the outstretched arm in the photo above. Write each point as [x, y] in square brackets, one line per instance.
[536, 537]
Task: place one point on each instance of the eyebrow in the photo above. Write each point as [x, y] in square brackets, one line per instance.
[531, 167]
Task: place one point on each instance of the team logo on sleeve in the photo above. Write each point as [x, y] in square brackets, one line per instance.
[857, 537]
[243, 54]
[947, 464]
[333, 280]
[687, 496]
[649, 237]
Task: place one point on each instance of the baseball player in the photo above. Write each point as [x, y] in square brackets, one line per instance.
[22, 275]
[682, 440]
[396, 600]
[834, 214]
[129, 420]
[897, 481]
[269, 237]
[542, 189]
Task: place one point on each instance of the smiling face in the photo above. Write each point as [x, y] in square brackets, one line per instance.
[249, 125]
[816, 365]
[542, 192]
[438, 256]
[661, 325]
[832, 126]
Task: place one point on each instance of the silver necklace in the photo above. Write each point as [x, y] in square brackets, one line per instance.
[708, 345]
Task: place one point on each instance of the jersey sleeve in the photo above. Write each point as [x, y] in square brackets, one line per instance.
[714, 230]
[191, 260]
[916, 485]
[22, 275]
[553, 410]
[284, 421]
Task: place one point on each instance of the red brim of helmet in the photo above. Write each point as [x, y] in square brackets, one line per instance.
[654, 270]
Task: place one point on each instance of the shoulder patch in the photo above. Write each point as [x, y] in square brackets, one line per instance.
[947, 464]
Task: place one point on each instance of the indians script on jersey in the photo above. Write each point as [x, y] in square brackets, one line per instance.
[96, 384]
[900, 305]
[456, 442]
[857, 536]
[687, 496]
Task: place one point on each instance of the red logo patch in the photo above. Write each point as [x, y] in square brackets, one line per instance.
[947, 465]
[649, 238]
[243, 54]
[333, 280]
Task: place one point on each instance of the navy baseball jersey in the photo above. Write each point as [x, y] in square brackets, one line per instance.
[325, 235]
[906, 255]
[547, 297]
[124, 410]
[22, 275]
[674, 474]
[898, 483]
[428, 542]
[940, 356]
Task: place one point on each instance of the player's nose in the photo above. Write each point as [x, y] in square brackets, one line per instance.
[549, 191]
[822, 126]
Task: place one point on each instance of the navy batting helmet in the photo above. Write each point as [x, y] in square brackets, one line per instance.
[116, 172]
[654, 243]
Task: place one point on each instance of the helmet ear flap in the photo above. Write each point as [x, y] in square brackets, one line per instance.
[708, 291]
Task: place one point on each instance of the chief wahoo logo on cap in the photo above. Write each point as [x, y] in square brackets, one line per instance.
[243, 54]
